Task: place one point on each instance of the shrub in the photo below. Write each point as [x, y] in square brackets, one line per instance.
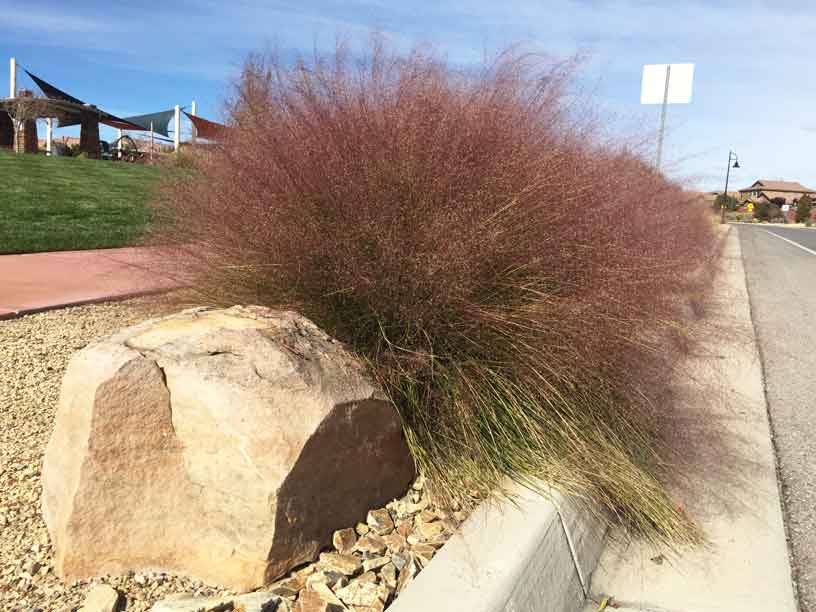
[804, 209]
[762, 211]
[409, 210]
[730, 202]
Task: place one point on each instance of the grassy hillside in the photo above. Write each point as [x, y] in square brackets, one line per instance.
[59, 203]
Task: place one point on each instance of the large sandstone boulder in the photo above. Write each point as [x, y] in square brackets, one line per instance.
[223, 444]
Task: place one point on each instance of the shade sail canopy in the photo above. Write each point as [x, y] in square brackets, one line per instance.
[209, 130]
[71, 112]
[52, 92]
[160, 121]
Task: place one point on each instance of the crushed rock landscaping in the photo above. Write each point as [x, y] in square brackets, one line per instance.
[367, 567]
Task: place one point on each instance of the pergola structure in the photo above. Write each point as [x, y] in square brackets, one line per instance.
[21, 110]
[26, 109]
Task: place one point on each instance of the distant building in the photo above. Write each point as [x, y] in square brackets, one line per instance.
[765, 191]
[711, 196]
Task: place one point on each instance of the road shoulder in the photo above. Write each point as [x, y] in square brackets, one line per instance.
[747, 566]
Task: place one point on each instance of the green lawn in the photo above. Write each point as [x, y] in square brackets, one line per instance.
[63, 203]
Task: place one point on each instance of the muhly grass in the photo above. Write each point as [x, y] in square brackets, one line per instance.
[520, 287]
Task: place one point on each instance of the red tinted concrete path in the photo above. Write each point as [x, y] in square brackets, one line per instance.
[42, 281]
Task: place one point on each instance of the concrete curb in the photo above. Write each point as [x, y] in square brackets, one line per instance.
[118, 297]
[526, 555]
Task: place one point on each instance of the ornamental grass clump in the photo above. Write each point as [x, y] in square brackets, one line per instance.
[518, 286]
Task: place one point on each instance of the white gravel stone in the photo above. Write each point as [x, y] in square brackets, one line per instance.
[101, 598]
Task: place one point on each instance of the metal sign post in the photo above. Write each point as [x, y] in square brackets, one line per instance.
[666, 84]
[663, 117]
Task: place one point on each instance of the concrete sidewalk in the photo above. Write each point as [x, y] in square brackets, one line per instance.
[42, 281]
[747, 567]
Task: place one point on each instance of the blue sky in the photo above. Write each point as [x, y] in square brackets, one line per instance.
[753, 90]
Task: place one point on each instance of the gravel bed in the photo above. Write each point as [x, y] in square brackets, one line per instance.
[34, 351]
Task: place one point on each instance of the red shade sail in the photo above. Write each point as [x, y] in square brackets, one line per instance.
[207, 129]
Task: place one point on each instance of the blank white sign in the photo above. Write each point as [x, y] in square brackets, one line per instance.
[653, 87]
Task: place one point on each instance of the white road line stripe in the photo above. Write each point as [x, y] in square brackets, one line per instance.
[796, 244]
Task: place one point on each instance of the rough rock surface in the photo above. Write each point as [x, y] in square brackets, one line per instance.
[223, 444]
[101, 598]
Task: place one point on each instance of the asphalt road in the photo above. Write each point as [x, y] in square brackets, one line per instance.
[781, 279]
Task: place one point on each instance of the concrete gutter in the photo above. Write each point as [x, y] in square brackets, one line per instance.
[747, 566]
[527, 555]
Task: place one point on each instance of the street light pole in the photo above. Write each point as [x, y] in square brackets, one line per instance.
[731, 155]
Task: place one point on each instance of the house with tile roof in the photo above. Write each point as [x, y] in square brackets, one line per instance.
[764, 191]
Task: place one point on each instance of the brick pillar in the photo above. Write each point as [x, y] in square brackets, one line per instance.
[6, 130]
[89, 132]
[27, 138]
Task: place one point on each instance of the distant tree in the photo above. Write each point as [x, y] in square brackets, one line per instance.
[22, 109]
[803, 209]
[730, 202]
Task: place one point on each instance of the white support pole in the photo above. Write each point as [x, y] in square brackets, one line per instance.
[119, 134]
[12, 78]
[49, 134]
[177, 134]
[151, 141]
[193, 133]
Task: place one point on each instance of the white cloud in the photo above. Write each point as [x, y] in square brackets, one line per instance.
[25, 19]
